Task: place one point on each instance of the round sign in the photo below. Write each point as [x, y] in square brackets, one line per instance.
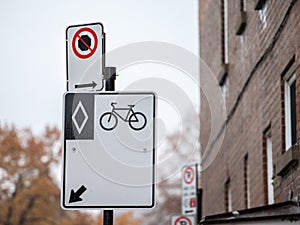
[84, 43]
[183, 220]
[188, 175]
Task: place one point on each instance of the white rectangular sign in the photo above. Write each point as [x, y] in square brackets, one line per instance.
[189, 190]
[108, 150]
[85, 56]
[182, 220]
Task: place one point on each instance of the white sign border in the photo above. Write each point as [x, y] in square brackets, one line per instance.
[63, 169]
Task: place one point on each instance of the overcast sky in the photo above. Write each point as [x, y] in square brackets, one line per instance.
[33, 54]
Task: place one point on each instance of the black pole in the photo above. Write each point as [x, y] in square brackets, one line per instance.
[199, 205]
[109, 77]
[108, 217]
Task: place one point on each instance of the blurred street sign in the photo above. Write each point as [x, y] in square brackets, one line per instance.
[85, 56]
[189, 186]
[108, 150]
[182, 220]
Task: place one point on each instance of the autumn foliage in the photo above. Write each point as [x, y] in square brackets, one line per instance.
[28, 192]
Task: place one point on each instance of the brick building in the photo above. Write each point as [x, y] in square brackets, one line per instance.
[253, 48]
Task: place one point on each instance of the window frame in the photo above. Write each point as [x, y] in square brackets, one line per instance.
[263, 13]
[270, 169]
[243, 5]
[247, 195]
[225, 38]
[289, 79]
[228, 196]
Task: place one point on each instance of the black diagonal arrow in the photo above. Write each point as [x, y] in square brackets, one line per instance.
[75, 196]
[93, 84]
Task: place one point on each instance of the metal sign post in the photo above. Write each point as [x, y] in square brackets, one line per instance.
[199, 205]
[109, 77]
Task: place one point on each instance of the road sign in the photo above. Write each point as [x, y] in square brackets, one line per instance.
[108, 150]
[189, 190]
[85, 56]
[182, 220]
[84, 43]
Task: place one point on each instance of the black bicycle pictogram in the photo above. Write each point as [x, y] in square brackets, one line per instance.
[109, 120]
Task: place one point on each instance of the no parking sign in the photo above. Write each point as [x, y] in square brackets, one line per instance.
[85, 56]
[84, 43]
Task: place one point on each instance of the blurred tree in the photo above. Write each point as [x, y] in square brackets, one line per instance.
[28, 192]
[168, 203]
[127, 218]
[77, 218]
[99, 219]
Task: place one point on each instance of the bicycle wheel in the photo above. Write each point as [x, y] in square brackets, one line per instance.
[108, 121]
[137, 121]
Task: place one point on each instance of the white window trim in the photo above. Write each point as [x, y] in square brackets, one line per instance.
[270, 167]
[248, 185]
[244, 4]
[226, 57]
[288, 134]
[229, 196]
[263, 15]
[225, 87]
[229, 200]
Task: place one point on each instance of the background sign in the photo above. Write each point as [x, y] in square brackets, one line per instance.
[85, 56]
[108, 150]
[189, 190]
[183, 220]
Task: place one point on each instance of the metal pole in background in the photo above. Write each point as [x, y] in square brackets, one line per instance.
[199, 205]
[109, 77]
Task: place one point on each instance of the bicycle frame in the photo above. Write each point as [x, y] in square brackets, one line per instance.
[129, 109]
[136, 120]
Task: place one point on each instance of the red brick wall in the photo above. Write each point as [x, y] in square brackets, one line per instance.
[256, 63]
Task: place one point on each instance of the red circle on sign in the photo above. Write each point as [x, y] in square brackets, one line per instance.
[190, 177]
[91, 50]
[179, 219]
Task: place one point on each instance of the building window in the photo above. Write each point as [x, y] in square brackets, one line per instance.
[224, 86]
[224, 16]
[242, 21]
[290, 111]
[228, 196]
[260, 4]
[246, 182]
[268, 152]
[243, 5]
